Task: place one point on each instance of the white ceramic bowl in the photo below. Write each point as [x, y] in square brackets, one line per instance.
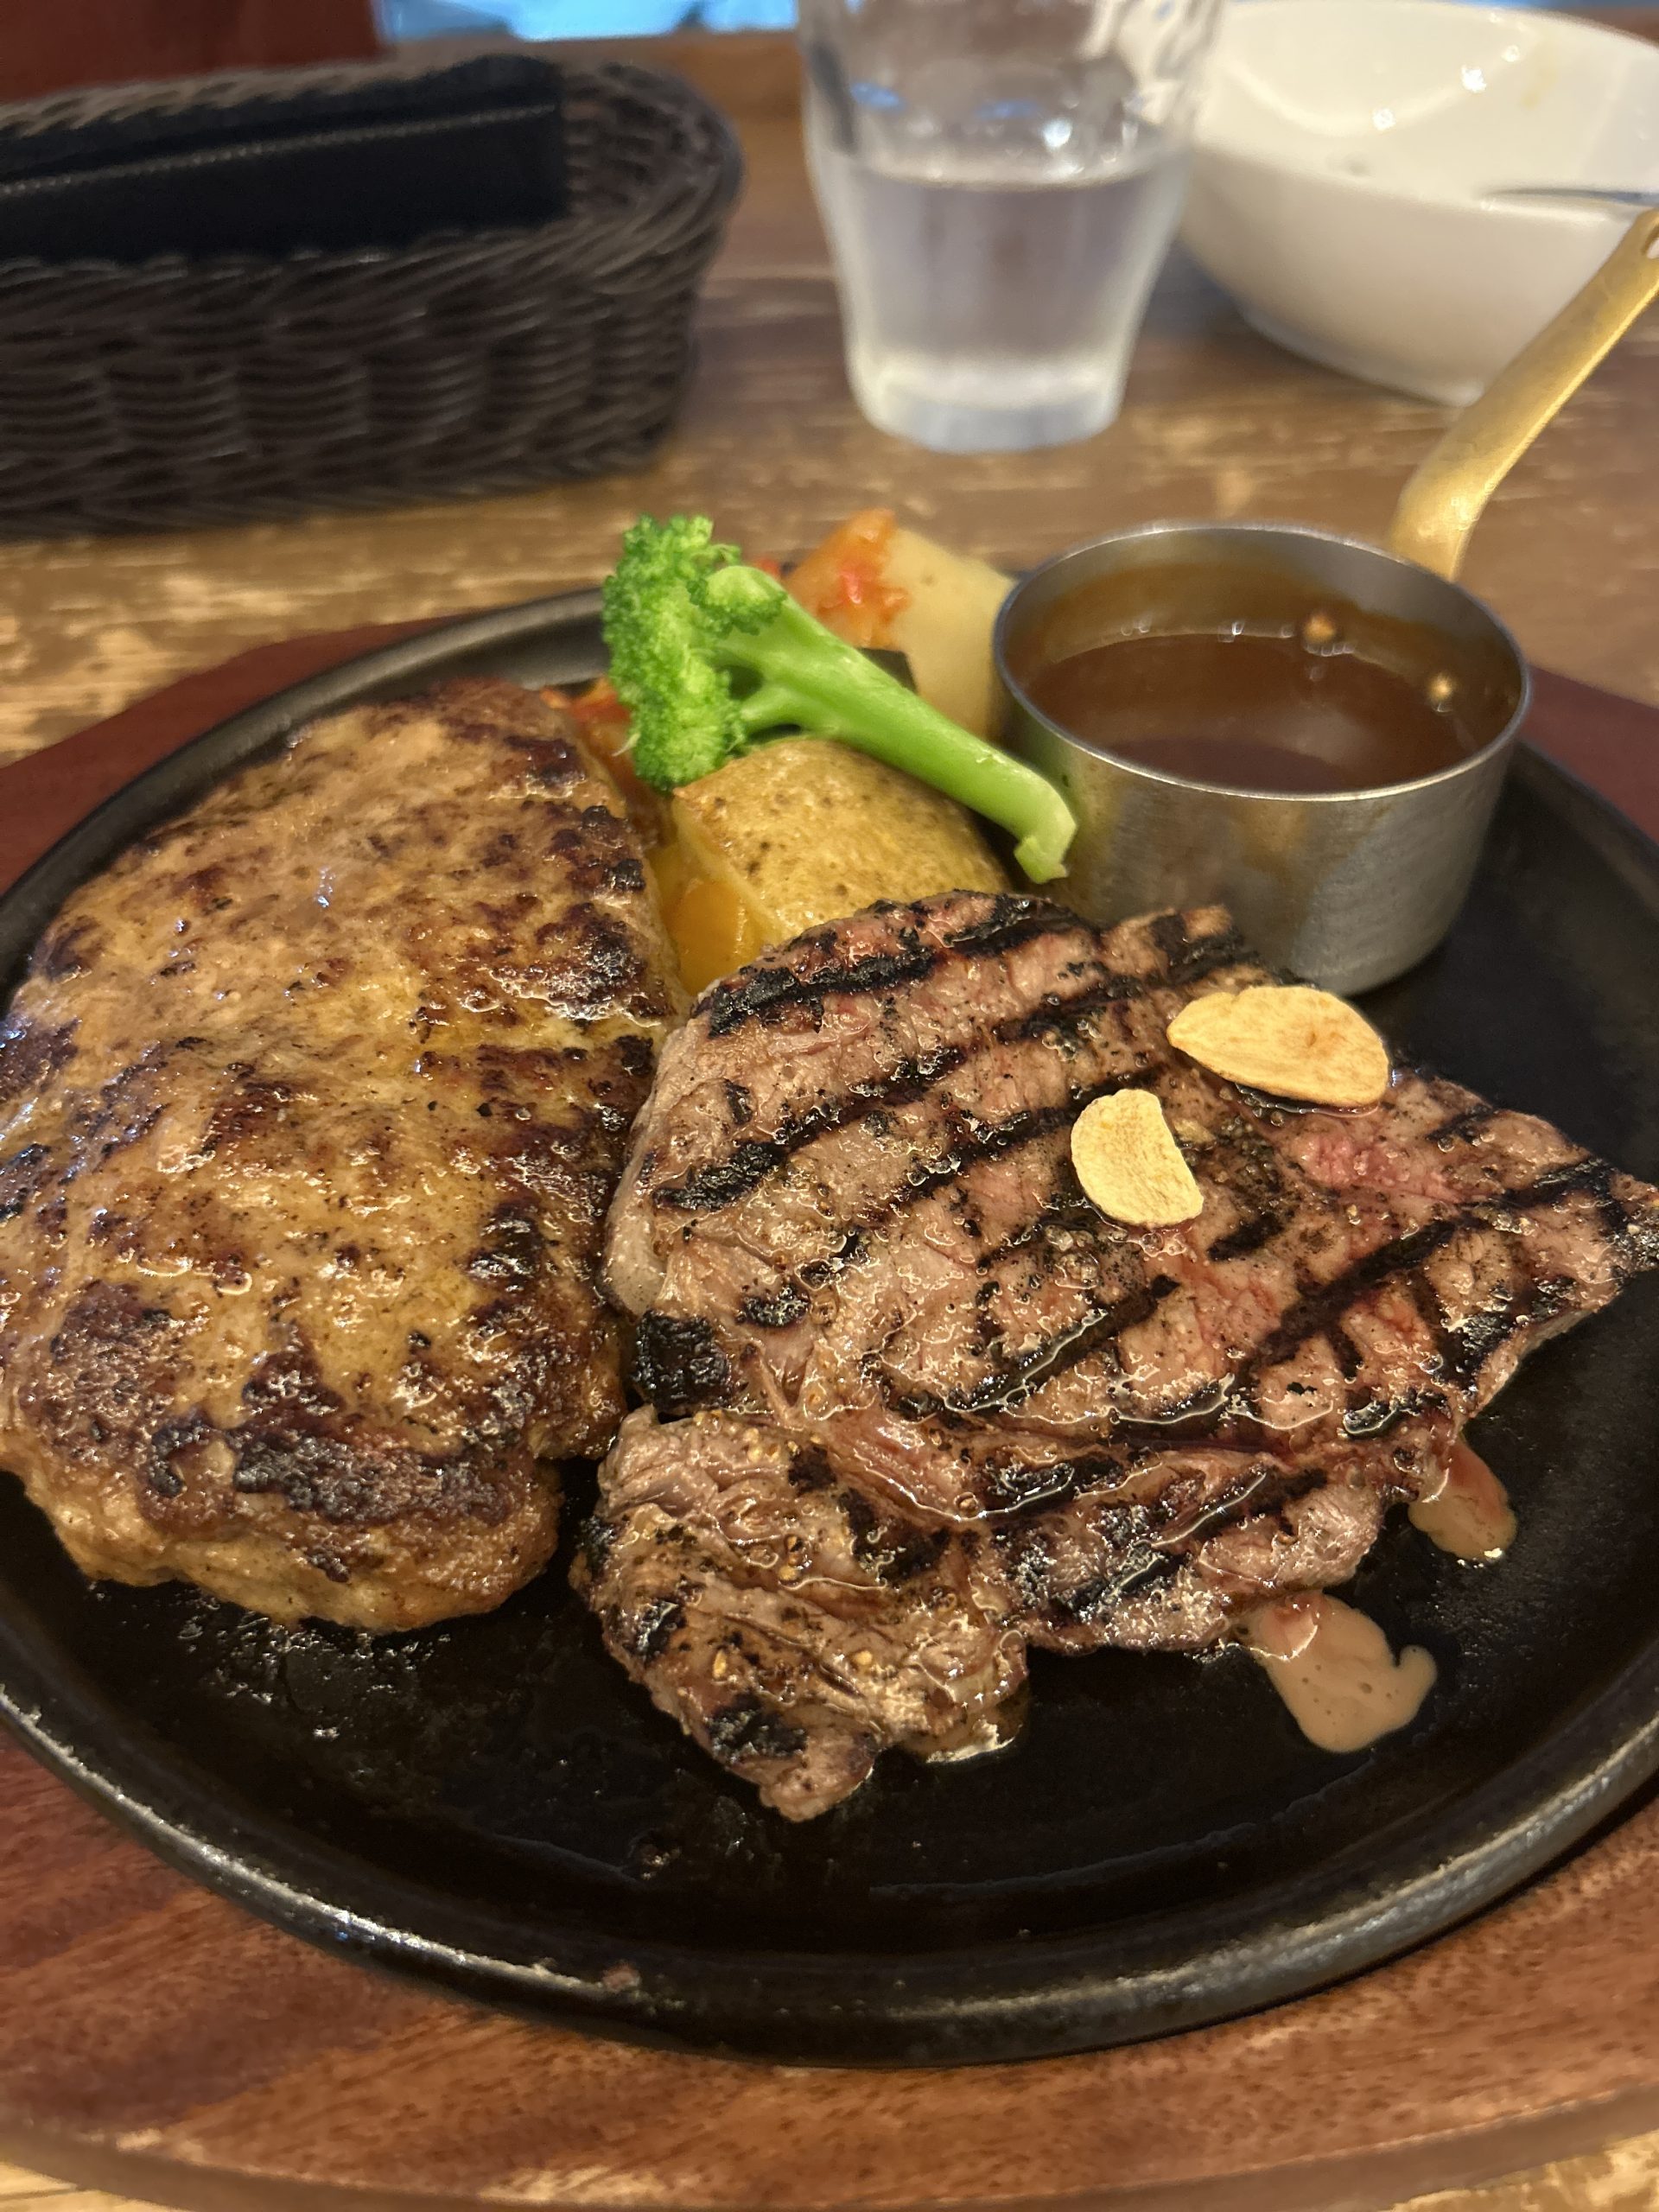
[1342, 153]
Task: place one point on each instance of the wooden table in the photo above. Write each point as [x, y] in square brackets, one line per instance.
[1218, 422]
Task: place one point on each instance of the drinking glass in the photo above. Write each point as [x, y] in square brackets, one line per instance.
[1001, 180]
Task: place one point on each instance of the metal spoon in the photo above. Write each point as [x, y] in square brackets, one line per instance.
[1605, 195]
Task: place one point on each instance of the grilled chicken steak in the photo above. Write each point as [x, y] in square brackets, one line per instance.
[311, 1108]
[850, 1224]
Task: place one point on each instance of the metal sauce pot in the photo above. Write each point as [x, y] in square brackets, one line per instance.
[1345, 888]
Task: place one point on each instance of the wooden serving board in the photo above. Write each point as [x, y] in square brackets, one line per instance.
[156, 2041]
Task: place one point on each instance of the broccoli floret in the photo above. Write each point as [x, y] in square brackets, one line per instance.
[712, 657]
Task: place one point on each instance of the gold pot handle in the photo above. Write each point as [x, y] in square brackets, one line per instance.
[1444, 500]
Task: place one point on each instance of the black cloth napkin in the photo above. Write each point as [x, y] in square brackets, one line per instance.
[379, 162]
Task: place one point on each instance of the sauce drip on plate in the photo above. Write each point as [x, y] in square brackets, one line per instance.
[992, 1728]
[1471, 1514]
[1333, 1668]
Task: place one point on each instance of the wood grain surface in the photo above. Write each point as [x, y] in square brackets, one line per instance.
[1618, 2179]
[156, 2041]
[1218, 422]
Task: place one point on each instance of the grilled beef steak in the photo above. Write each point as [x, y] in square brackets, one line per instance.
[850, 1217]
[310, 1109]
[793, 1625]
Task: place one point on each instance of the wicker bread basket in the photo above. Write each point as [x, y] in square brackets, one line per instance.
[206, 389]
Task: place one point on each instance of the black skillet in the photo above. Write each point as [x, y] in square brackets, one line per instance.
[490, 1804]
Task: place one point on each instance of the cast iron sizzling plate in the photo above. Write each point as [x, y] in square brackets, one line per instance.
[491, 1804]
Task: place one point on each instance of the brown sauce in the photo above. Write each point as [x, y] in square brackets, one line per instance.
[1333, 1668]
[1268, 711]
[1470, 1514]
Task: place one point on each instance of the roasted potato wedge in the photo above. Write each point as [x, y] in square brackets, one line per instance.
[943, 630]
[876, 583]
[805, 831]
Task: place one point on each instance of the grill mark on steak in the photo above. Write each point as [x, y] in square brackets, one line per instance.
[1064, 1207]
[1148, 1535]
[21, 1176]
[1249, 1237]
[1143, 1568]
[1635, 1239]
[986, 1140]
[1320, 1312]
[781, 1310]
[1009, 1487]
[1187, 959]
[1463, 1127]
[893, 1557]
[1059, 1016]
[769, 989]
[808, 1626]
[1368, 1417]
[1059, 1019]
[723, 1182]
[1207, 1414]
[1011, 919]
[1464, 1351]
[1004, 1387]
[1589, 1174]
[766, 994]
[31, 1052]
[706, 1190]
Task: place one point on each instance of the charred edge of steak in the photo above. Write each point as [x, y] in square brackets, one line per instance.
[768, 990]
[678, 1366]
[1464, 1350]
[1188, 959]
[748, 1728]
[595, 1540]
[1012, 919]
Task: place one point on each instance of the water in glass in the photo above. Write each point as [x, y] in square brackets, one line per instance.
[997, 221]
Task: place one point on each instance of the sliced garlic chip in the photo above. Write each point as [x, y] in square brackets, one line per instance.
[1287, 1040]
[1129, 1165]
